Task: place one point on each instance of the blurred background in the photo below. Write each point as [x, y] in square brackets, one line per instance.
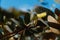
[29, 4]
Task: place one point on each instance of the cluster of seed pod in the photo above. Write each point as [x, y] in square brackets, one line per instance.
[39, 24]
